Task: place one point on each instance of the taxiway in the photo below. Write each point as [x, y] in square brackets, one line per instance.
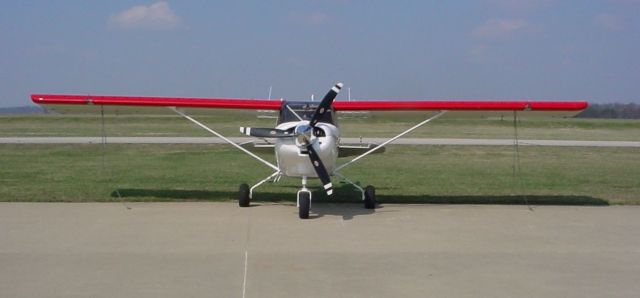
[221, 250]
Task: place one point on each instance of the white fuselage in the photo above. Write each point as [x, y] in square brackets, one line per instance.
[292, 157]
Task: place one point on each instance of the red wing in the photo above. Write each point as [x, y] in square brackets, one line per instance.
[214, 103]
[458, 105]
[263, 104]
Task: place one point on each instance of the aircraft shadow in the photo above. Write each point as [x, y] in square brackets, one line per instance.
[497, 200]
[172, 194]
[346, 201]
[349, 196]
[321, 205]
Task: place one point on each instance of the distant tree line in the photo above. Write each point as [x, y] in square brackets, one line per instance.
[611, 111]
[22, 110]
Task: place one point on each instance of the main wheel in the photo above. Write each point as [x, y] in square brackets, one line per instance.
[243, 195]
[370, 197]
[304, 201]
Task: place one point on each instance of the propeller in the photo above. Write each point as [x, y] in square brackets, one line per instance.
[303, 133]
[320, 169]
[318, 166]
[325, 104]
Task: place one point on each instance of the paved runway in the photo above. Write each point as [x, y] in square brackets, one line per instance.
[221, 250]
[402, 141]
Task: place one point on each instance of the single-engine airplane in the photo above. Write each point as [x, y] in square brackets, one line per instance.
[307, 137]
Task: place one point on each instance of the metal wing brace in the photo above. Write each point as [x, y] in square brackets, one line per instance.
[225, 139]
[337, 173]
[389, 141]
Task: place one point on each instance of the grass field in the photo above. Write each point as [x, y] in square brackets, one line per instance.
[404, 174]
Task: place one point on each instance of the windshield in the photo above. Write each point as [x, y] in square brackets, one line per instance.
[305, 110]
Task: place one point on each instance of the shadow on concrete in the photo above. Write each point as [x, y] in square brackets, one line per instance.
[346, 194]
[346, 202]
[172, 194]
[347, 211]
[498, 200]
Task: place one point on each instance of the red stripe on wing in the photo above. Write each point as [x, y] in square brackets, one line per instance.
[403, 105]
[214, 103]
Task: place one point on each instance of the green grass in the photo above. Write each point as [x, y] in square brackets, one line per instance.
[404, 174]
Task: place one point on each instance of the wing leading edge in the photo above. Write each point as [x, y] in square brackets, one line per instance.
[264, 104]
[182, 102]
[458, 105]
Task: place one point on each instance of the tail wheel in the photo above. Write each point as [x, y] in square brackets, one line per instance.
[370, 197]
[243, 195]
[304, 204]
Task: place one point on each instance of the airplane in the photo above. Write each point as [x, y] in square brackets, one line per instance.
[307, 136]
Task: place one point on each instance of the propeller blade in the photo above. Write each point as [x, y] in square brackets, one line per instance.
[325, 104]
[320, 170]
[265, 132]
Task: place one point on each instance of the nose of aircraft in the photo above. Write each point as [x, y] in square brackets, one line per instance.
[303, 134]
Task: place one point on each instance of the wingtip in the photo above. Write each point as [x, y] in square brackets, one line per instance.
[37, 98]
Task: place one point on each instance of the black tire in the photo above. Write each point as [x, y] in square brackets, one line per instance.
[370, 197]
[243, 195]
[305, 204]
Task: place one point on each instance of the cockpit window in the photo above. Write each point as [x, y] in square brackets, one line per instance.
[303, 109]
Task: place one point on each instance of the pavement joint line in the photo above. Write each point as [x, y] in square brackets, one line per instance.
[244, 282]
[246, 255]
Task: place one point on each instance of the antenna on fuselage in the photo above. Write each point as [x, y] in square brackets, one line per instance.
[311, 97]
[349, 92]
[270, 87]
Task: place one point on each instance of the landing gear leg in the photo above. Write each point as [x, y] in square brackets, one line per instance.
[368, 193]
[369, 197]
[304, 200]
[245, 194]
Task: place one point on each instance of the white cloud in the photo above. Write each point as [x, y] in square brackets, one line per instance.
[608, 21]
[500, 28]
[155, 16]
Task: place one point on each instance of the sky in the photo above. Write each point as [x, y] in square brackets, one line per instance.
[480, 49]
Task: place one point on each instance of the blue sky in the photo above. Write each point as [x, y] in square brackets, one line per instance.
[482, 49]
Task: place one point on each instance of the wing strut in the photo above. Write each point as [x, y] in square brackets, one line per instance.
[225, 139]
[390, 140]
[517, 179]
[103, 140]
